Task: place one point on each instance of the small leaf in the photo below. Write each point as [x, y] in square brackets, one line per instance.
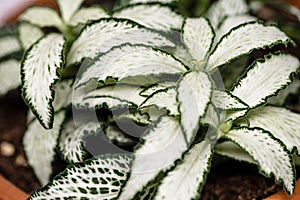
[63, 94]
[42, 17]
[193, 95]
[225, 8]
[198, 35]
[162, 145]
[98, 178]
[156, 16]
[244, 39]
[104, 34]
[114, 134]
[84, 15]
[150, 1]
[231, 150]
[211, 117]
[165, 99]
[233, 115]
[71, 139]
[9, 45]
[265, 78]
[129, 61]
[225, 100]
[270, 154]
[187, 178]
[39, 145]
[68, 8]
[40, 65]
[10, 78]
[148, 91]
[282, 124]
[29, 34]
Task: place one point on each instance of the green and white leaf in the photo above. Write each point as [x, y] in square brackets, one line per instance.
[233, 115]
[150, 1]
[198, 35]
[39, 145]
[227, 101]
[9, 45]
[71, 140]
[114, 134]
[29, 34]
[130, 61]
[244, 39]
[194, 93]
[212, 116]
[104, 34]
[231, 150]
[162, 145]
[68, 8]
[135, 116]
[225, 8]
[98, 178]
[84, 15]
[41, 64]
[281, 97]
[280, 122]
[63, 94]
[265, 78]
[190, 172]
[270, 154]
[148, 91]
[183, 54]
[156, 16]
[165, 99]
[10, 78]
[42, 17]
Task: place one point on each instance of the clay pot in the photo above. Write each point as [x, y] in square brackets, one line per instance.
[283, 196]
[10, 192]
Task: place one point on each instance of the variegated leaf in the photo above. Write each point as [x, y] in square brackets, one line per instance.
[225, 100]
[10, 78]
[198, 35]
[129, 61]
[212, 117]
[63, 94]
[148, 91]
[39, 145]
[29, 34]
[41, 64]
[114, 134]
[225, 8]
[42, 17]
[156, 16]
[165, 99]
[104, 34]
[150, 1]
[84, 15]
[98, 178]
[280, 122]
[244, 39]
[231, 150]
[162, 145]
[265, 78]
[68, 8]
[233, 115]
[194, 93]
[9, 45]
[186, 179]
[71, 139]
[270, 154]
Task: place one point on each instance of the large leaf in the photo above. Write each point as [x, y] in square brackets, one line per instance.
[71, 139]
[9, 45]
[84, 15]
[282, 124]
[98, 178]
[265, 78]
[39, 145]
[129, 61]
[225, 100]
[162, 145]
[156, 16]
[194, 93]
[244, 39]
[42, 17]
[29, 34]
[68, 8]
[40, 65]
[10, 79]
[198, 35]
[225, 8]
[270, 154]
[186, 179]
[104, 34]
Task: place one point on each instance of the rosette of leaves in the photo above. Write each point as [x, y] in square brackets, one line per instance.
[174, 155]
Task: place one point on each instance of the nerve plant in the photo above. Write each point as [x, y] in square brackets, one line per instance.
[172, 91]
